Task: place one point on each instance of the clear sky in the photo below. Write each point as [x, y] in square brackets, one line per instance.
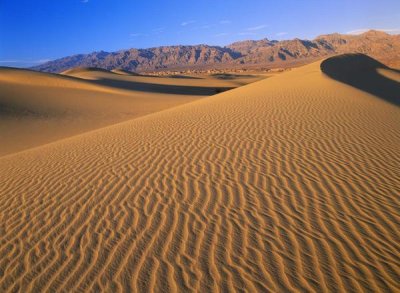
[33, 31]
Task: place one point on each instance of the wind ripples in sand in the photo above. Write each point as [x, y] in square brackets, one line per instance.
[288, 184]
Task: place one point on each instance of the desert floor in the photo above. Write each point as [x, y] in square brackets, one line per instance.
[290, 183]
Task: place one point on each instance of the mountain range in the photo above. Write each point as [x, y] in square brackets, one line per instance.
[244, 54]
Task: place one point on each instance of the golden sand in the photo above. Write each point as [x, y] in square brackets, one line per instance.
[288, 184]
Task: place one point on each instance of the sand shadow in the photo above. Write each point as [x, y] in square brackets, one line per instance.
[160, 88]
[361, 71]
[183, 76]
[229, 76]
[131, 73]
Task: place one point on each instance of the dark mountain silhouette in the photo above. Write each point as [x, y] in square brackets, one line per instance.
[246, 54]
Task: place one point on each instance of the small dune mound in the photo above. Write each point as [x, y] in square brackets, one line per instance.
[124, 72]
[364, 73]
[88, 73]
[78, 70]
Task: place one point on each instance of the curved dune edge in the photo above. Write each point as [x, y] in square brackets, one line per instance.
[366, 74]
[287, 184]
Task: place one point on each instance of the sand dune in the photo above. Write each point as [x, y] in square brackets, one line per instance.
[124, 72]
[197, 84]
[365, 73]
[288, 184]
[38, 108]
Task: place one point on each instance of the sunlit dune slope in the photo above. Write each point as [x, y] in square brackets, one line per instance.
[288, 184]
[38, 108]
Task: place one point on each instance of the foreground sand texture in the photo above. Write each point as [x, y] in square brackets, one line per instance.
[38, 108]
[288, 184]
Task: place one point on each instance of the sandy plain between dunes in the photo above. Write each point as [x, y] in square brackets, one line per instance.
[288, 184]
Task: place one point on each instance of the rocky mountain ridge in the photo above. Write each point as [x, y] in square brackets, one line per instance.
[255, 54]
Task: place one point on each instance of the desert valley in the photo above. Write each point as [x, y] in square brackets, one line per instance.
[261, 166]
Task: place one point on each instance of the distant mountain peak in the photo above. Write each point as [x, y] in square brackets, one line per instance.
[250, 53]
[375, 33]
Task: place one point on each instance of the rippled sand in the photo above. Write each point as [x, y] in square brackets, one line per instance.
[287, 184]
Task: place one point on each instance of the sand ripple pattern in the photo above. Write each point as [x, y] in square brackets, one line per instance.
[288, 184]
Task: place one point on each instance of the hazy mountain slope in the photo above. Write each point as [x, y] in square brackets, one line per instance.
[145, 59]
[379, 45]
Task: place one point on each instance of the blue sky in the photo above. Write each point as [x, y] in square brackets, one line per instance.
[33, 31]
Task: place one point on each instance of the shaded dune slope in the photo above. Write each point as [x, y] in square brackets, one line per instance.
[287, 184]
[365, 73]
